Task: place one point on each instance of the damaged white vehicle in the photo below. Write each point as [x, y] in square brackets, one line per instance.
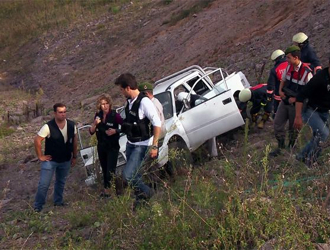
[198, 104]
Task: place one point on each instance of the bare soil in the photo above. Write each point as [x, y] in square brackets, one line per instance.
[77, 64]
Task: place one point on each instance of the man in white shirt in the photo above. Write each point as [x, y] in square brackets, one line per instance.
[140, 113]
[60, 153]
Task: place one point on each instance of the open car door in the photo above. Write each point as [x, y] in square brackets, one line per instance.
[88, 153]
[212, 113]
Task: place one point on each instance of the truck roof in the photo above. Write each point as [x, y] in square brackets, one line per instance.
[163, 86]
[164, 83]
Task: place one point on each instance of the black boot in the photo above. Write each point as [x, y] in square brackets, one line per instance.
[277, 151]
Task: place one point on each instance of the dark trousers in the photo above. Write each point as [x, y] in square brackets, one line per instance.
[276, 104]
[256, 106]
[108, 160]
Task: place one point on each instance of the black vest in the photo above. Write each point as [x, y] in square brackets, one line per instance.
[55, 145]
[103, 139]
[136, 129]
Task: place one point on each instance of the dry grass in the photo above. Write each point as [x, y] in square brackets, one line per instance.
[22, 20]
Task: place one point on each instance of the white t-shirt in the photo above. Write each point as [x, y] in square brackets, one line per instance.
[146, 109]
[45, 132]
[159, 109]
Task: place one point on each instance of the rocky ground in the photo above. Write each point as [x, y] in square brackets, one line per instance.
[151, 40]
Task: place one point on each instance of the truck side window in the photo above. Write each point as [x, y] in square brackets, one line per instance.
[178, 103]
[218, 81]
[165, 99]
[200, 88]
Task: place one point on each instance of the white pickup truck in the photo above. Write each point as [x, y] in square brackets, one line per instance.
[208, 110]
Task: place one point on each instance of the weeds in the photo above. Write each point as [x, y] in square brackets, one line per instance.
[5, 130]
[195, 212]
[232, 203]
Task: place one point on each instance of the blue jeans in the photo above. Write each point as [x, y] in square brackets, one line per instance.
[46, 174]
[318, 121]
[132, 172]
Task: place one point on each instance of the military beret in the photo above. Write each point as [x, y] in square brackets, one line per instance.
[291, 49]
[145, 86]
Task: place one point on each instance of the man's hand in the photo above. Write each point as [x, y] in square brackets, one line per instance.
[282, 95]
[269, 97]
[298, 123]
[292, 100]
[45, 158]
[110, 131]
[73, 162]
[153, 152]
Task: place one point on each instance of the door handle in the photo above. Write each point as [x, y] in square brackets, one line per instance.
[226, 101]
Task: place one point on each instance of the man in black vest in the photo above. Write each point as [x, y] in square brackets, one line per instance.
[60, 153]
[142, 126]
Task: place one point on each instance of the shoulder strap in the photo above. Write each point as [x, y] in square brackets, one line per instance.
[136, 104]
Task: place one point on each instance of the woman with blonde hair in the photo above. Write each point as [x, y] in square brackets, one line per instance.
[106, 125]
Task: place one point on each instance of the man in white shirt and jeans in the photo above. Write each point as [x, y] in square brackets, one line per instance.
[60, 153]
[141, 136]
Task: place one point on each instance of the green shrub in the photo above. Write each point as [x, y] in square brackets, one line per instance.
[5, 130]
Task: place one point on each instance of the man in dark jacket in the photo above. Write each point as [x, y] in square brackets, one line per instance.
[308, 54]
[275, 77]
[258, 96]
[60, 154]
[316, 114]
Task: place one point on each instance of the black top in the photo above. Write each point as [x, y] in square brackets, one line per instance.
[317, 90]
[103, 140]
[273, 82]
[308, 55]
[136, 129]
[55, 145]
[258, 96]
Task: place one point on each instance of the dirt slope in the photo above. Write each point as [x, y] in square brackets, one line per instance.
[148, 41]
[151, 40]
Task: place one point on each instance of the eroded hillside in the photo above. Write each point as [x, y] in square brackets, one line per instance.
[151, 40]
[241, 200]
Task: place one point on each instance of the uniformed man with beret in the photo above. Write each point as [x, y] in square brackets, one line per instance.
[296, 75]
[147, 89]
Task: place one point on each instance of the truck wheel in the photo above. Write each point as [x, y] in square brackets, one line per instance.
[180, 158]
